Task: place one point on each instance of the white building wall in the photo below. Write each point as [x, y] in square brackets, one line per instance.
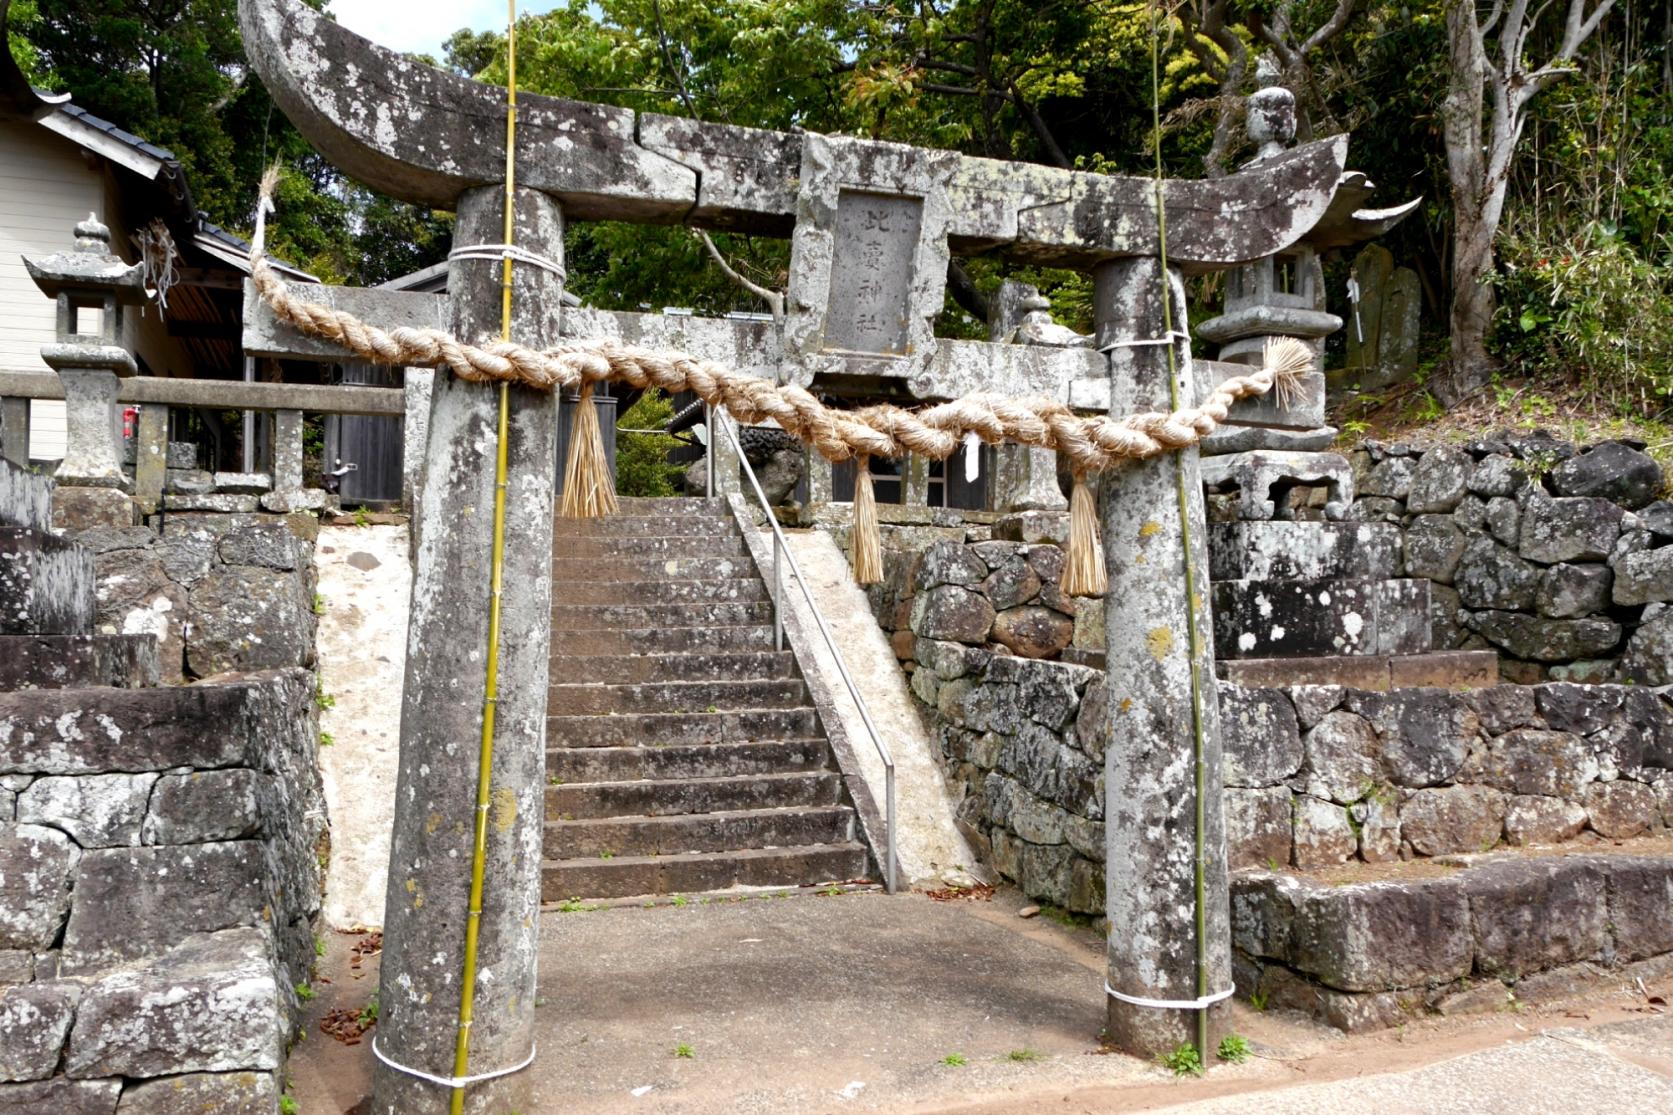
[46, 186]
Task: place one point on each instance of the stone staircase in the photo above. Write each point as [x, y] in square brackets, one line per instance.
[685, 754]
[160, 852]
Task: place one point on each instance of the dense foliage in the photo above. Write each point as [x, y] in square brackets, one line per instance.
[1583, 251]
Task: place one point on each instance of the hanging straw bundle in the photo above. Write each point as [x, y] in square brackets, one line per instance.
[588, 491]
[867, 541]
[1083, 565]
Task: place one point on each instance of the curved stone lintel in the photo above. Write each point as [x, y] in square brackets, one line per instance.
[426, 136]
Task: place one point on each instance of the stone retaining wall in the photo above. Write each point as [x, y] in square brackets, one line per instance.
[1483, 934]
[219, 591]
[1560, 559]
[1315, 775]
[161, 862]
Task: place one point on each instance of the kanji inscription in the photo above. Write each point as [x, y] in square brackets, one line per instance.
[871, 272]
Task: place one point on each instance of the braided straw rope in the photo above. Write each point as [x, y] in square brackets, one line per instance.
[1090, 444]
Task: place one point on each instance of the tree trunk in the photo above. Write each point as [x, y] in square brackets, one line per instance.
[1472, 304]
[1472, 247]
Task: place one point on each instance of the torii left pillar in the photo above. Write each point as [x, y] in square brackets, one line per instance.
[1153, 718]
[441, 707]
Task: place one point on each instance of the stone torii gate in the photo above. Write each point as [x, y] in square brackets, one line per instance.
[872, 227]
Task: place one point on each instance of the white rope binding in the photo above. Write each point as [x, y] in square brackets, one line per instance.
[1169, 339]
[1171, 1004]
[453, 1081]
[511, 252]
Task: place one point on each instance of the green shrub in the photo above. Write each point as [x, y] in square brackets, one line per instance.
[642, 467]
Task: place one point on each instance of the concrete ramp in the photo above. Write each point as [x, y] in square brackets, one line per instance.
[929, 846]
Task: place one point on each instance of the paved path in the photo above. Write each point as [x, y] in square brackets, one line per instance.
[856, 1003]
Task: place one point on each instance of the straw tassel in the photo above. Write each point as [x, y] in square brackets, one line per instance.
[867, 541]
[588, 490]
[1288, 360]
[1083, 570]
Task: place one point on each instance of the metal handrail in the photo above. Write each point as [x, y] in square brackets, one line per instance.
[782, 557]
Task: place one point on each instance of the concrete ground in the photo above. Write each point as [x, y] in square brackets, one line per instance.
[862, 1002]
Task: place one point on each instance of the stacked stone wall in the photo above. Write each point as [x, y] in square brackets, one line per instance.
[1558, 558]
[1316, 776]
[160, 850]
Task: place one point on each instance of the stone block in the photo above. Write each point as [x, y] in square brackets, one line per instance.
[1535, 914]
[1532, 819]
[1536, 639]
[46, 584]
[1657, 518]
[1503, 520]
[247, 618]
[1311, 702]
[1434, 547]
[188, 481]
[1390, 478]
[1645, 577]
[1498, 476]
[1424, 733]
[140, 902]
[1344, 758]
[1452, 669]
[1491, 576]
[1258, 827]
[953, 613]
[203, 1093]
[1012, 585]
[302, 499]
[77, 661]
[1358, 671]
[1033, 631]
[60, 1096]
[949, 563]
[1091, 724]
[1378, 820]
[1572, 591]
[1264, 905]
[96, 731]
[1384, 936]
[204, 807]
[1281, 619]
[1582, 709]
[210, 1005]
[25, 498]
[1621, 809]
[1452, 819]
[243, 483]
[1611, 471]
[1439, 481]
[1260, 739]
[1303, 551]
[1323, 836]
[1535, 761]
[34, 1021]
[223, 503]
[77, 509]
[1648, 659]
[1033, 527]
[1640, 896]
[97, 810]
[37, 868]
[1568, 528]
[270, 545]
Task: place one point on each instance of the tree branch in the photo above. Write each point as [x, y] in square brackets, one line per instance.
[773, 299]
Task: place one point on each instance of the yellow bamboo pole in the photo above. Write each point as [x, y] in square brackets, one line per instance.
[491, 689]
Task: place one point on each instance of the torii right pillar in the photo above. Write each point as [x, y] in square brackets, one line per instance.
[1154, 719]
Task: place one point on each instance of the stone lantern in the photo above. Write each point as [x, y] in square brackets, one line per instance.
[93, 288]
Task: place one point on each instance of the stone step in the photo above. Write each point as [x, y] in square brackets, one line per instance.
[692, 795]
[698, 872]
[579, 643]
[649, 547]
[1288, 619]
[1303, 551]
[1449, 669]
[699, 832]
[660, 615]
[622, 669]
[78, 661]
[625, 528]
[665, 729]
[630, 567]
[46, 584]
[673, 505]
[1373, 946]
[704, 760]
[734, 590]
[692, 697]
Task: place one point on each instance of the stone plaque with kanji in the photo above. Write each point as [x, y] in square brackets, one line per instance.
[871, 272]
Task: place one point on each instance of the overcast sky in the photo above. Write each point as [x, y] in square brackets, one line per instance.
[421, 26]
